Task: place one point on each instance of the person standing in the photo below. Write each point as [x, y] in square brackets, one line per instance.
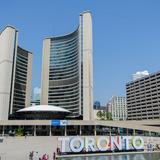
[31, 155]
[54, 156]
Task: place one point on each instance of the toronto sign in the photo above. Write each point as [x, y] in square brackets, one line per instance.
[94, 144]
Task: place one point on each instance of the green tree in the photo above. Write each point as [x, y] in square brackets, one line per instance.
[19, 132]
[104, 115]
[99, 114]
[108, 115]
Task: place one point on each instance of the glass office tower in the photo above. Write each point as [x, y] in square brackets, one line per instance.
[67, 70]
[15, 72]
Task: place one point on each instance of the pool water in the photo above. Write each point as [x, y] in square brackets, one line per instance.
[145, 156]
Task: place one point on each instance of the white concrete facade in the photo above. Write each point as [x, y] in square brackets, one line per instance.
[87, 55]
[45, 72]
[85, 74]
[8, 41]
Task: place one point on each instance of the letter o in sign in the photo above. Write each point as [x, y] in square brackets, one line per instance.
[76, 144]
[141, 143]
[99, 145]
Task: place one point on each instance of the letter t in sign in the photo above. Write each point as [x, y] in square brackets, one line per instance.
[127, 147]
[63, 142]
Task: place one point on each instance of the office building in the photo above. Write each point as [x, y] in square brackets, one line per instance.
[117, 107]
[96, 105]
[36, 93]
[36, 96]
[140, 74]
[143, 98]
[16, 73]
[109, 107]
[67, 70]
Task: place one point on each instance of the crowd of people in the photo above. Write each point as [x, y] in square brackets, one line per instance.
[151, 147]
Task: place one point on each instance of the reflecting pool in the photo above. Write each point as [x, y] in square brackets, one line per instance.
[145, 156]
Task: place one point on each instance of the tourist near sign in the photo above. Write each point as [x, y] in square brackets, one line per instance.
[94, 144]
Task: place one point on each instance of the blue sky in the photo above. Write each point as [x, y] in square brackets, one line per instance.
[126, 35]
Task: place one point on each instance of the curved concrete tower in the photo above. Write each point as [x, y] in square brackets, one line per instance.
[67, 74]
[15, 72]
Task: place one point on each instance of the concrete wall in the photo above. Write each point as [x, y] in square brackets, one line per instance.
[45, 72]
[18, 148]
[86, 32]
